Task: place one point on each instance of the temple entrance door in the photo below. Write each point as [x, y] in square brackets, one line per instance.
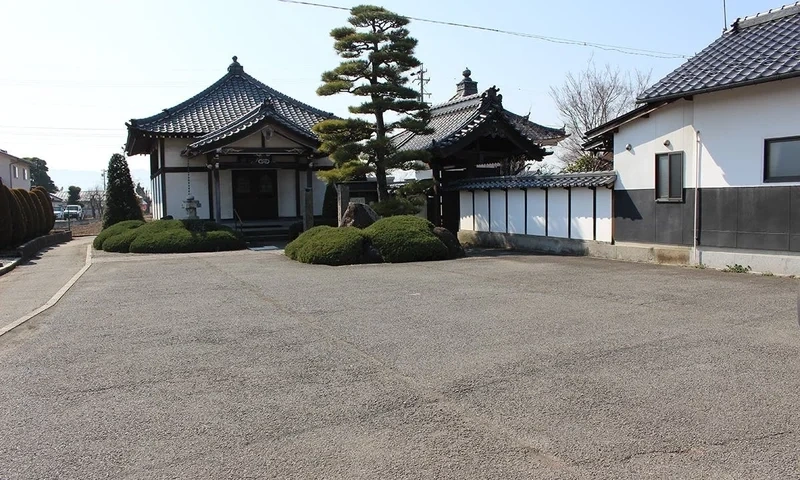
[255, 194]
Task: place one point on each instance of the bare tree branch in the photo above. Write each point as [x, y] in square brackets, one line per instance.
[589, 99]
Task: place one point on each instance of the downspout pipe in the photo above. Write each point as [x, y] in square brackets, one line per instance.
[696, 232]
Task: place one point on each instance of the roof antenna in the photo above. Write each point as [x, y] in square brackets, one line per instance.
[724, 16]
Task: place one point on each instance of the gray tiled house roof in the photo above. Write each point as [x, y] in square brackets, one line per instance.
[565, 180]
[756, 49]
[460, 116]
[218, 110]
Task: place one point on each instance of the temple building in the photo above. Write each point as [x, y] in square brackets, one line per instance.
[245, 151]
[475, 136]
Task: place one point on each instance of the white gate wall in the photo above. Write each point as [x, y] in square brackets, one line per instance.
[582, 213]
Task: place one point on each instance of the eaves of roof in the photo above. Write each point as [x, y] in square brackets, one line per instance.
[564, 180]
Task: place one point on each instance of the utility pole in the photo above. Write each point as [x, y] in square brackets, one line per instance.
[419, 77]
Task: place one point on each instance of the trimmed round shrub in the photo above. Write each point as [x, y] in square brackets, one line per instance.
[116, 229]
[18, 224]
[406, 238]
[6, 224]
[121, 242]
[328, 246]
[172, 236]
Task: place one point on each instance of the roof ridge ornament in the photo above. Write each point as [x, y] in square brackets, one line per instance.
[235, 67]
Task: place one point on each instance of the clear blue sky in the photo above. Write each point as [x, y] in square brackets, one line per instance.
[74, 72]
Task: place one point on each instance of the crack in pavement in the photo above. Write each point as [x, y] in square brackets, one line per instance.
[689, 449]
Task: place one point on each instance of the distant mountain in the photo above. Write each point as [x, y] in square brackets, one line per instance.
[89, 179]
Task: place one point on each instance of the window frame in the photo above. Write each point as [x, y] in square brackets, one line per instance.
[668, 199]
[15, 171]
[765, 162]
[24, 173]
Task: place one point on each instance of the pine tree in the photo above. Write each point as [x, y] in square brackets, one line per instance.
[39, 175]
[5, 218]
[121, 201]
[378, 51]
[18, 222]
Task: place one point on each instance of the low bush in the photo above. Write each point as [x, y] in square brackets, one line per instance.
[328, 246]
[406, 238]
[39, 212]
[116, 229]
[173, 236]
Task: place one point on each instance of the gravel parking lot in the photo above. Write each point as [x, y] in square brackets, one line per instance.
[248, 365]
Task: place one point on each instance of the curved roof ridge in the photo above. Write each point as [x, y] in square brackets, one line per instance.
[282, 95]
[135, 122]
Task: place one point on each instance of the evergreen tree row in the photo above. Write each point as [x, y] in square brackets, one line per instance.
[24, 215]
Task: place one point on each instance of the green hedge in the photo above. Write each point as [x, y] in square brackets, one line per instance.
[328, 246]
[5, 218]
[406, 238]
[393, 239]
[114, 230]
[18, 223]
[39, 213]
[27, 209]
[44, 198]
[168, 236]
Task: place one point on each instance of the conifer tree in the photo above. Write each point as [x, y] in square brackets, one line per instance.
[18, 222]
[377, 52]
[5, 218]
[121, 201]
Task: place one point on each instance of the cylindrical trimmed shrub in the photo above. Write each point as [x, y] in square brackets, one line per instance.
[31, 227]
[5, 218]
[44, 197]
[39, 213]
[18, 228]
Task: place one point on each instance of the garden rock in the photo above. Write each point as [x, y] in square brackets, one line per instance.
[454, 248]
[358, 215]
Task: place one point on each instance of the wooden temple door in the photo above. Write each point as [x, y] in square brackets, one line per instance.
[255, 194]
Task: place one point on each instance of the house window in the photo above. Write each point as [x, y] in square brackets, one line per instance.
[16, 171]
[669, 177]
[782, 159]
[24, 173]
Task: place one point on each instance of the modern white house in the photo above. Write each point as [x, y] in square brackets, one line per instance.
[710, 161]
[242, 149]
[14, 172]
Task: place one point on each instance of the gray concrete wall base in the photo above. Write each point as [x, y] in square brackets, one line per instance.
[668, 255]
[774, 262]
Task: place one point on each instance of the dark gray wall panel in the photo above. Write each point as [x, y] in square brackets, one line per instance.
[759, 218]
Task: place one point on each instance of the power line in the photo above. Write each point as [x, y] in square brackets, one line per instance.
[565, 41]
[62, 128]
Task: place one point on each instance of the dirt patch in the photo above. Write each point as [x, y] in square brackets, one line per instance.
[90, 228]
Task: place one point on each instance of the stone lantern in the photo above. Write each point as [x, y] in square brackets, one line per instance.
[191, 205]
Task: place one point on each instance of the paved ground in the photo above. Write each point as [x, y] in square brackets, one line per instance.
[246, 365]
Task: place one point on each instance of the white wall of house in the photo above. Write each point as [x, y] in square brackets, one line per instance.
[226, 194]
[578, 213]
[15, 174]
[733, 126]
